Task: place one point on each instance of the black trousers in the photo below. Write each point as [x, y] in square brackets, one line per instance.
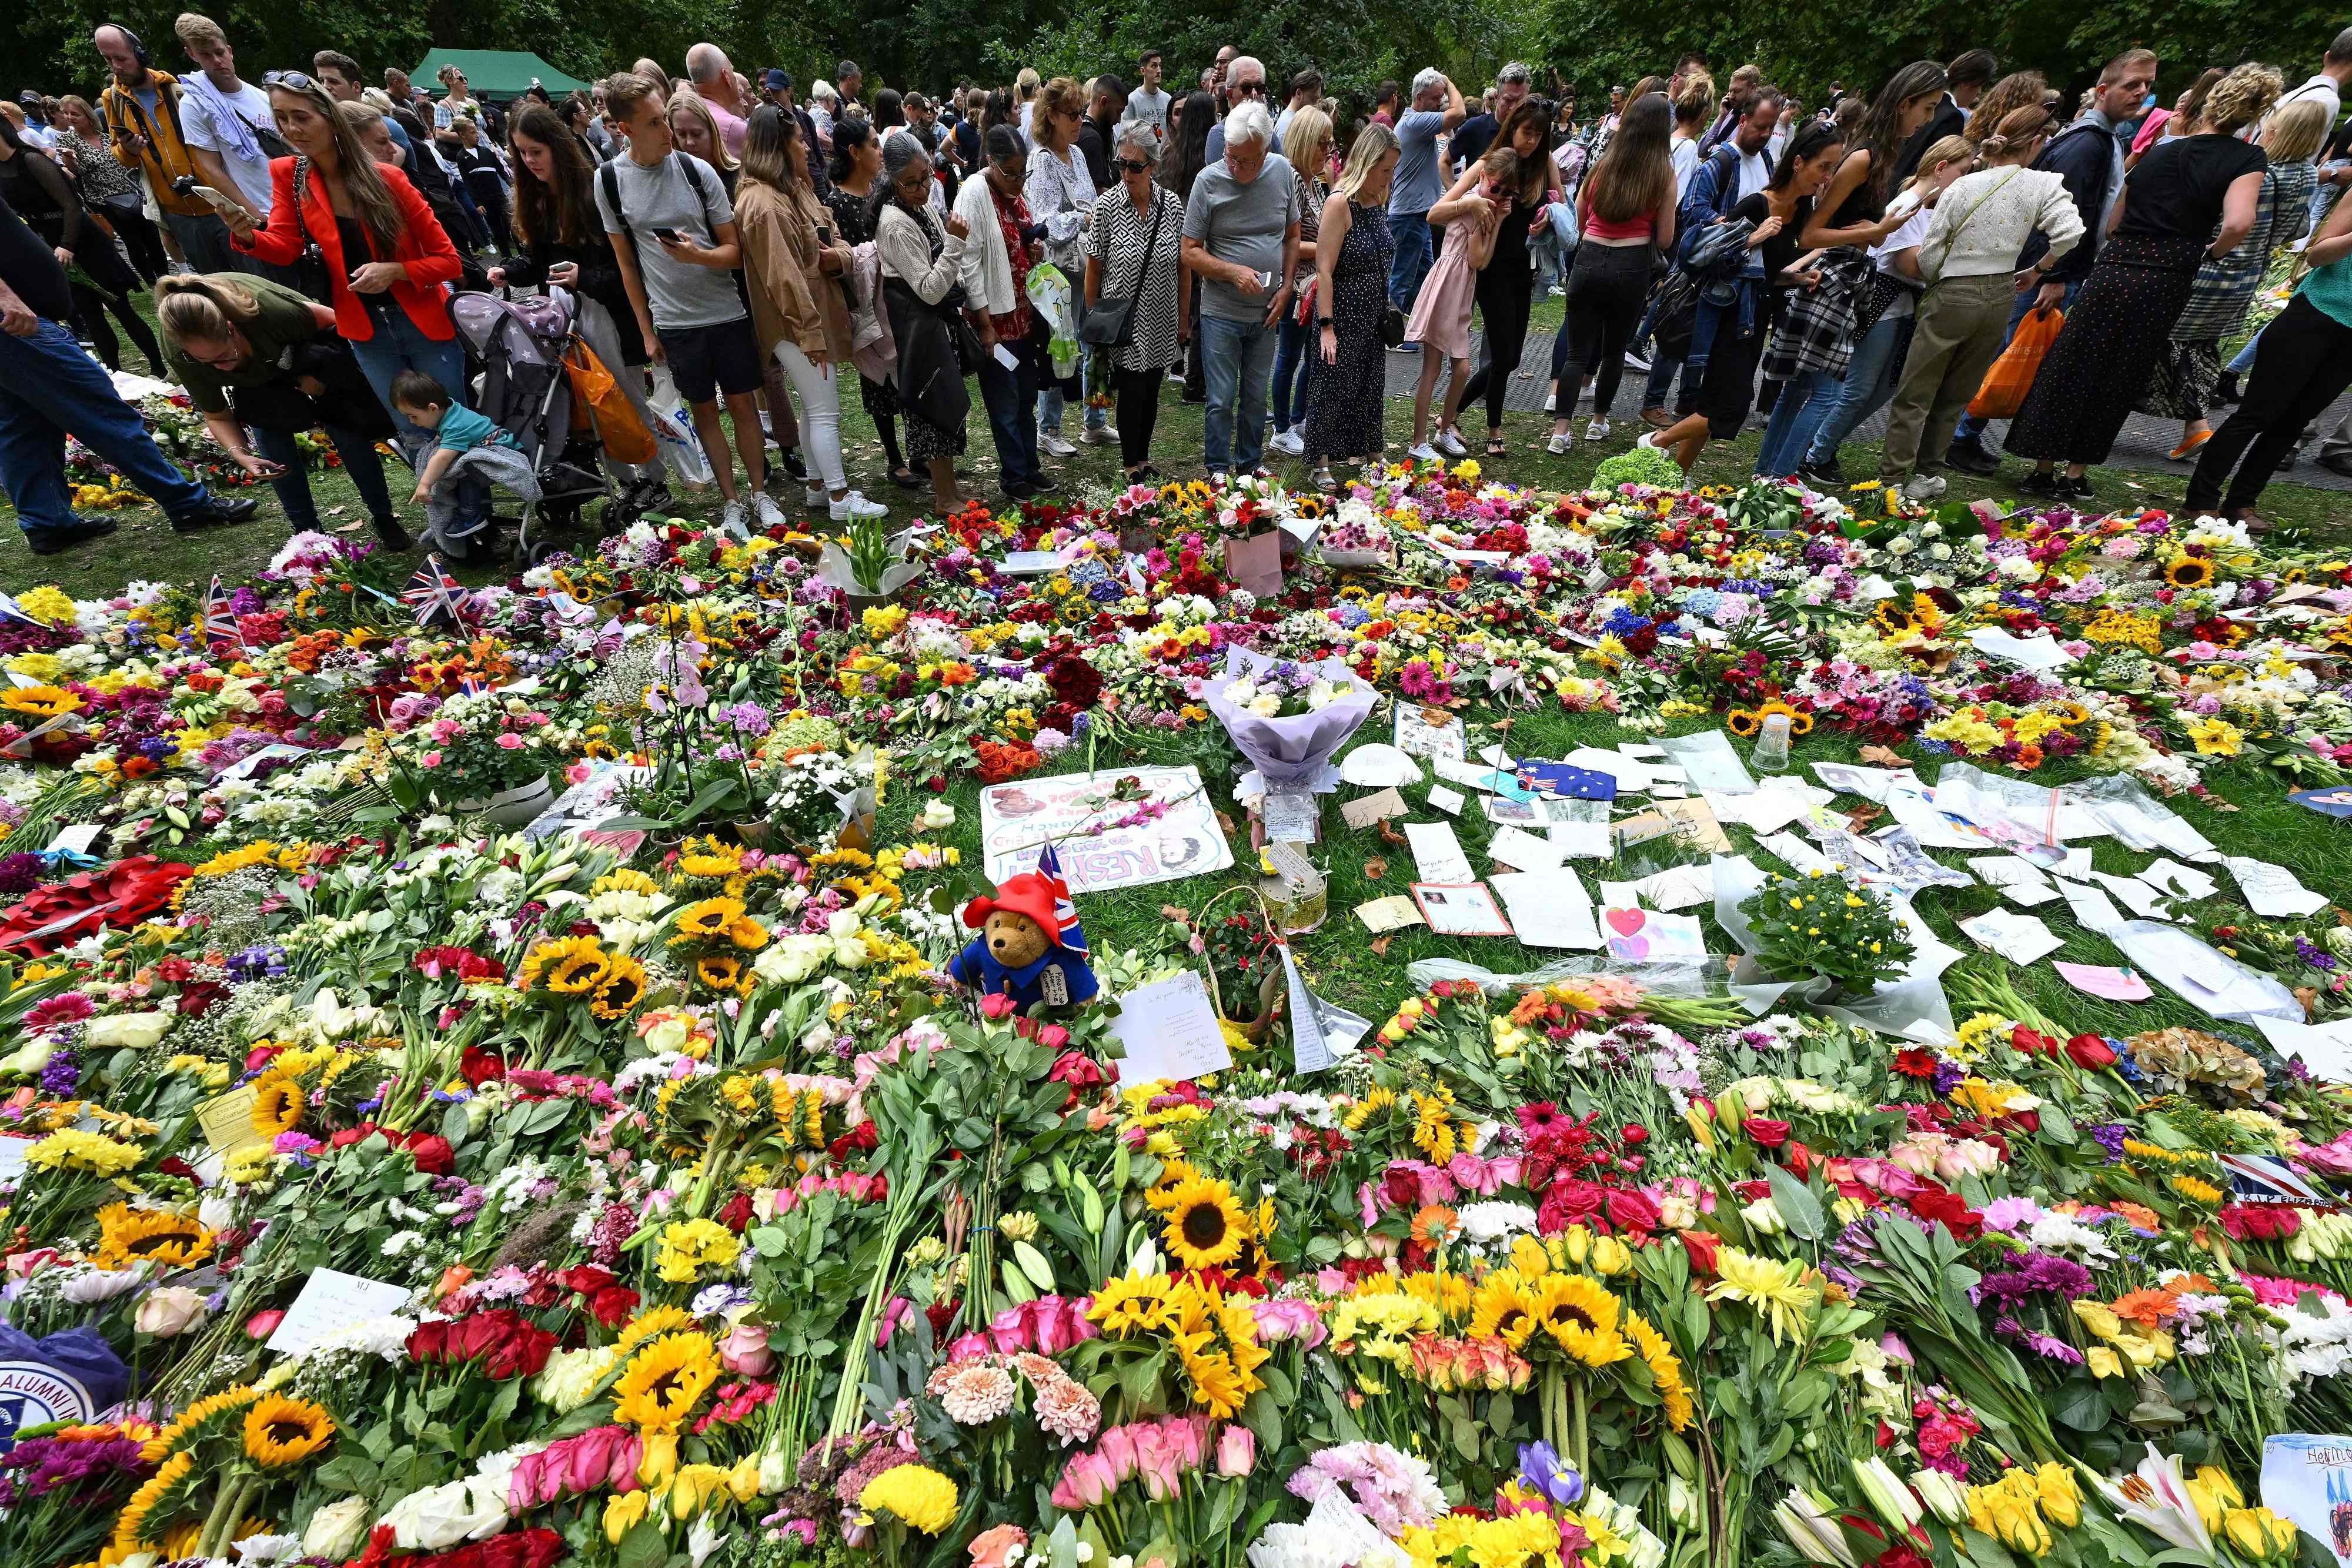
[1506, 294]
[1608, 291]
[2303, 362]
[1136, 394]
[141, 239]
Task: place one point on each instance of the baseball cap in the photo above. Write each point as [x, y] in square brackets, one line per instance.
[777, 79]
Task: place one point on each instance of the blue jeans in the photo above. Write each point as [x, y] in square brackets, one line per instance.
[1054, 395]
[1412, 260]
[1293, 345]
[293, 486]
[1805, 401]
[2246, 360]
[50, 389]
[1011, 399]
[1238, 356]
[1970, 427]
[398, 346]
[1871, 378]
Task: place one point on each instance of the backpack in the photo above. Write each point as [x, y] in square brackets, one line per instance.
[610, 182]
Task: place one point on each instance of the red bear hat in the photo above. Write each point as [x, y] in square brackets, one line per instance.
[1031, 893]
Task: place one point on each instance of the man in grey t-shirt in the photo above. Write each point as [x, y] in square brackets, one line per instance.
[674, 239]
[1148, 102]
[1437, 109]
[1241, 239]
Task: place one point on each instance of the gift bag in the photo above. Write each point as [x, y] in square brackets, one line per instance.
[2011, 376]
[673, 433]
[598, 398]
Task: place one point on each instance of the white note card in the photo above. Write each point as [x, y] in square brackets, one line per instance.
[330, 1302]
[1549, 909]
[1168, 1030]
[1438, 853]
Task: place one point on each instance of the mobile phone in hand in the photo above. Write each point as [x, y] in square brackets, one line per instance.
[669, 236]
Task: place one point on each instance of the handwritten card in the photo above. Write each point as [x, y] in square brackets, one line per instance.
[2272, 890]
[1461, 909]
[1441, 798]
[1438, 853]
[1549, 909]
[1394, 913]
[1362, 813]
[1291, 817]
[1647, 936]
[2019, 938]
[2104, 981]
[1168, 1029]
[1429, 732]
[330, 1302]
[228, 1120]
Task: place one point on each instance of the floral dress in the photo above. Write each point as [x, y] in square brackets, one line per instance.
[854, 224]
[1343, 400]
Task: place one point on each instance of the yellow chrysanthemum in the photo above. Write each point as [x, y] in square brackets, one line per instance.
[1781, 1294]
[689, 1247]
[916, 1495]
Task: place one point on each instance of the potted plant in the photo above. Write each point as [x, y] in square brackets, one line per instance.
[1818, 927]
[481, 752]
[873, 568]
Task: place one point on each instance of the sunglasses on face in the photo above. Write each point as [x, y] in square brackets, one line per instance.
[1135, 165]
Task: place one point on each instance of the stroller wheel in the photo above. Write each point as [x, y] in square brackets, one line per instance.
[539, 553]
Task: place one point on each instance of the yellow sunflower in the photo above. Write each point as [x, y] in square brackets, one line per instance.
[1129, 1304]
[278, 1104]
[1743, 722]
[576, 967]
[1582, 1317]
[622, 989]
[39, 703]
[720, 971]
[747, 934]
[1216, 1385]
[1665, 1369]
[130, 1526]
[2189, 571]
[664, 1380]
[1205, 1226]
[281, 1431]
[708, 920]
[652, 1324]
[1799, 722]
[128, 1236]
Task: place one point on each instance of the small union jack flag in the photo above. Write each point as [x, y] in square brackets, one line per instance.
[221, 632]
[1066, 911]
[431, 594]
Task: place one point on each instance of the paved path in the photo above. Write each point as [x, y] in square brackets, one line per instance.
[2144, 446]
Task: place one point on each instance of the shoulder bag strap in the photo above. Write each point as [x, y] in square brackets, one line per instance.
[1952, 236]
[1151, 242]
[610, 185]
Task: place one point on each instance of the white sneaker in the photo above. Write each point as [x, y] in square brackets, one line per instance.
[1923, 486]
[1597, 431]
[816, 496]
[730, 520]
[1551, 402]
[1290, 443]
[1635, 362]
[1051, 444]
[1560, 445]
[1450, 443]
[1100, 435]
[1648, 438]
[856, 506]
[765, 508]
[1424, 452]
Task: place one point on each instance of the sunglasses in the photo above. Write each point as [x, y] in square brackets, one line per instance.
[1246, 86]
[292, 81]
[1135, 165]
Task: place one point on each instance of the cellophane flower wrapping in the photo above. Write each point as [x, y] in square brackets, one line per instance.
[1292, 752]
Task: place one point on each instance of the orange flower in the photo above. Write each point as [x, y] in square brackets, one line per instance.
[2149, 1309]
[2142, 1216]
[1433, 1224]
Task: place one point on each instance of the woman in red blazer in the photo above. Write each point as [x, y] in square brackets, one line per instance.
[387, 261]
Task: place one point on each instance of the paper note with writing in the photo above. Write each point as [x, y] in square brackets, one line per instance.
[2326, 1049]
[1441, 798]
[78, 840]
[1522, 851]
[2092, 910]
[330, 1302]
[14, 1147]
[1460, 909]
[1394, 913]
[228, 1120]
[2145, 902]
[2104, 981]
[1770, 807]
[1647, 936]
[1308, 1053]
[1429, 732]
[1870, 783]
[2272, 890]
[1688, 820]
[1363, 813]
[1017, 818]
[2028, 894]
[1030, 563]
[1293, 817]
[2019, 938]
[1549, 909]
[1795, 853]
[1437, 853]
[1169, 1030]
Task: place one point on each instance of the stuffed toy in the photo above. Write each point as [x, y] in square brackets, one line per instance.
[1030, 946]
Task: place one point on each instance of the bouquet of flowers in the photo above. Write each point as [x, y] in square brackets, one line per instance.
[1356, 537]
[1315, 709]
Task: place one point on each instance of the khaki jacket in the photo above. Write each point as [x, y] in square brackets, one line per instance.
[792, 300]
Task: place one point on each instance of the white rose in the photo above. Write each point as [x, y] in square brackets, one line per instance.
[139, 1031]
[433, 1520]
[843, 924]
[338, 1530]
[793, 959]
[169, 1311]
[936, 815]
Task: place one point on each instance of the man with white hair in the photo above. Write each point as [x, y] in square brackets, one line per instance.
[1437, 109]
[713, 77]
[1245, 83]
[1241, 239]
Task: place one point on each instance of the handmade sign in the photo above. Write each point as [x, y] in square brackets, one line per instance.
[1104, 845]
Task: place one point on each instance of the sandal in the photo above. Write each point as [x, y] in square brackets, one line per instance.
[908, 479]
[1323, 481]
[1496, 448]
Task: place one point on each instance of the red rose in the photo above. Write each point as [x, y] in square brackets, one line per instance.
[1632, 1212]
[1951, 1211]
[480, 1066]
[613, 1306]
[2030, 1041]
[2090, 1053]
[737, 1213]
[431, 1152]
[1769, 1133]
[261, 1326]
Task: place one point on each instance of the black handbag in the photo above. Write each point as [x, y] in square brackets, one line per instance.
[1391, 328]
[311, 275]
[1110, 320]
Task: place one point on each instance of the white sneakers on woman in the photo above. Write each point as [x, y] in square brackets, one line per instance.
[1424, 452]
[1051, 444]
[854, 504]
[1562, 444]
[1450, 442]
[1291, 443]
[1597, 431]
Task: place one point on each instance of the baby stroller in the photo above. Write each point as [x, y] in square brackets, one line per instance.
[525, 391]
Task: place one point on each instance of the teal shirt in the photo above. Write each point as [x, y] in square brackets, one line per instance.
[2329, 290]
[462, 430]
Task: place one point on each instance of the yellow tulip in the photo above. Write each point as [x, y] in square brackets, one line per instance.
[1579, 1242]
[621, 1514]
[743, 1481]
[658, 1462]
[2098, 1318]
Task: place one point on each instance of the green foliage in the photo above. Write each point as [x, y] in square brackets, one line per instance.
[1642, 465]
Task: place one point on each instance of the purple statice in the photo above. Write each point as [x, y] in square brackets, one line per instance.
[716, 1300]
[262, 961]
[2317, 957]
[2110, 1135]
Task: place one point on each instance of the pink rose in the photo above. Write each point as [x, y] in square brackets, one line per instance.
[511, 743]
[431, 759]
[990, 1548]
[745, 1351]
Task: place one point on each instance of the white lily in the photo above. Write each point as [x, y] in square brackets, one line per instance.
[2156, 1497]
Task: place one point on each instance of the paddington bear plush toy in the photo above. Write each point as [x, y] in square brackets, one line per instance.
[1030, 946]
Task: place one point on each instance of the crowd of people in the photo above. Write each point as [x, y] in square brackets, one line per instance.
[1065, 243]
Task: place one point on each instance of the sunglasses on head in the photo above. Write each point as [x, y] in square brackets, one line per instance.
[293, 81]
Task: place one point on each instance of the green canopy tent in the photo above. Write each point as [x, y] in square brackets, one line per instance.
[499, 74]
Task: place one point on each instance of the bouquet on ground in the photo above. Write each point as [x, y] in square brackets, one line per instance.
[1288, 717]
[1356, 537]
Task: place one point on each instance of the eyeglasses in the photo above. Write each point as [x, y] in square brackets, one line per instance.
[1245, 87]
[1135, 165]
[292, 81]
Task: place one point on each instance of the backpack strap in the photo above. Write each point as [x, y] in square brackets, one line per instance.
[689, 166]
[609, 184]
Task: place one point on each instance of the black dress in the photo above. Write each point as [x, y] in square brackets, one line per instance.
[855, 219]
[1344, 400]
[2121, 323]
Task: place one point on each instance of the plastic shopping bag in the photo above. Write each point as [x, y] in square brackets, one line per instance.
[599, 398]
[673, 431]
[2011, 376]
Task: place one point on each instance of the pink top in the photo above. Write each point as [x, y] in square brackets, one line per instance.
[1642, 227]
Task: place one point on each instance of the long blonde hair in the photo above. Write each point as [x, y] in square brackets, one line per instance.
[206, 309]
[2295, 133]
[686, 99]
[1309, 130]
[1953, 149]
[371, 198]
[1372, 143]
